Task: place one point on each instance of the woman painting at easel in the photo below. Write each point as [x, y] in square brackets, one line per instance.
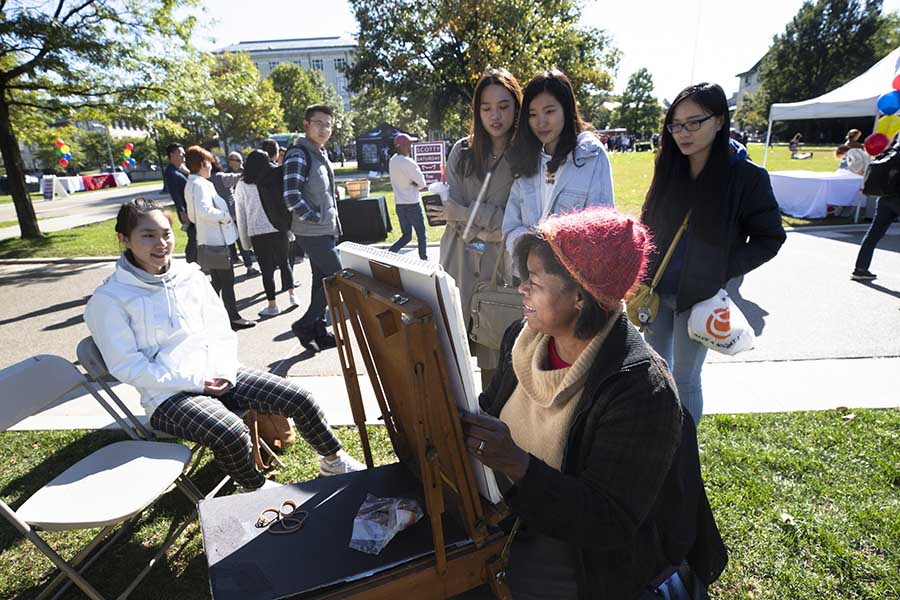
[471, 245]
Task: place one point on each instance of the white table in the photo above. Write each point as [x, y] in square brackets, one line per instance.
[72, 184]
[807, 194]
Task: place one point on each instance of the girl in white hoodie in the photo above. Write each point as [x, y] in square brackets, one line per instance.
[161, 328]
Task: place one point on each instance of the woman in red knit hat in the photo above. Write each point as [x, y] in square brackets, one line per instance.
[584, 421]
[734, 225]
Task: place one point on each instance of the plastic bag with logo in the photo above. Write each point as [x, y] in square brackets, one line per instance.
[719, 324]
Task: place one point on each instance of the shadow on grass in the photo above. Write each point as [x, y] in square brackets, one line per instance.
[21, 248]
[182, 572]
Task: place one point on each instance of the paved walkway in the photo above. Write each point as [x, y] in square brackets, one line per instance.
[824, 341]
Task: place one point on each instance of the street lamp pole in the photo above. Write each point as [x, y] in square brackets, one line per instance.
[97, 125]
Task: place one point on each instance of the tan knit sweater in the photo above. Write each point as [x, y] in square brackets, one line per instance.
[540, 409]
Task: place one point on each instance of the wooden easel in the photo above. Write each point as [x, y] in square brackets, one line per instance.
[398, 341]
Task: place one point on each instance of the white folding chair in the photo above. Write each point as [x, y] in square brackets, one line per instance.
[92, 361]
[112, 486]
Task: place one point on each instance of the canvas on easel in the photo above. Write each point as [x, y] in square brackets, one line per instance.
[397, 335]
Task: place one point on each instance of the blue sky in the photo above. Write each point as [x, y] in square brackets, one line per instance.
[730, 35]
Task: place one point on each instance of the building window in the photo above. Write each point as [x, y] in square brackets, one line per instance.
[299, 63]
[340, 64]
[340, 83]
[747, 80]
[316, 64]
[273, 64]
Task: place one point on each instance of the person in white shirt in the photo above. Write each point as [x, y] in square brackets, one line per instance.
[406, 180]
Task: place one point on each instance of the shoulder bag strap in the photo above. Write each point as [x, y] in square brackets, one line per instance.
[665, 261]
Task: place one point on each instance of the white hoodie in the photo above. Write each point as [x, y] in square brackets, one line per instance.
[163, 334]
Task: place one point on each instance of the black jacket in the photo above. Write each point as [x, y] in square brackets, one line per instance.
[629, 497]
[751, 226]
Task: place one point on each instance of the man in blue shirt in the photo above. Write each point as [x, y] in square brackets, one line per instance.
[176, 176]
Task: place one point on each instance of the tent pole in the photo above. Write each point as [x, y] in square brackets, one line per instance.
[768, 137]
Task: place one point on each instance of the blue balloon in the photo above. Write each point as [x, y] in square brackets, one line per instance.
[889, 103]
[131, 161]
[67, 156]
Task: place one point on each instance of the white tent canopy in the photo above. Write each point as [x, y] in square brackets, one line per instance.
[856, 98]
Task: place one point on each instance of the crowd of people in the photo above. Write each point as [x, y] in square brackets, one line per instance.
[591, 425]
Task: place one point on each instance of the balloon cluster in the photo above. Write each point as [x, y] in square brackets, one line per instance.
[63, 152]
[889, 124]
[127, 160]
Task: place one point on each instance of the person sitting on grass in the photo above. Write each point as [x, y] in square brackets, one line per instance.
[161, 328]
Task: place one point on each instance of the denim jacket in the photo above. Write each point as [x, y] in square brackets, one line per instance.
[586, 181]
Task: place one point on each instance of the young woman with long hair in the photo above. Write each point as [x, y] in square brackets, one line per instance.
[162, 329]
[483, 154]
[558, 165]
[257, 232]
[734, 225]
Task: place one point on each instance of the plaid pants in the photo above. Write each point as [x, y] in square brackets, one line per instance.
[209, 420]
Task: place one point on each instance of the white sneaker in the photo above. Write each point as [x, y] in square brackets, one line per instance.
[292, 298]
[270, 311]
[344, 463]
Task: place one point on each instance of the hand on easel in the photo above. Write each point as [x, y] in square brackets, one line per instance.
[488, 439]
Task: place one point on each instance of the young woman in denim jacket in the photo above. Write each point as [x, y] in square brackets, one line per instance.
[558, 166]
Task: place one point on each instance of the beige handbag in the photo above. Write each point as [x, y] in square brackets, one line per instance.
[643, 304]
[494, 306]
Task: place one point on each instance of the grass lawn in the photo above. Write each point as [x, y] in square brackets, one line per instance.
[807, 504]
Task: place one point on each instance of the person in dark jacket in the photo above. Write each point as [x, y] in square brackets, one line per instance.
[734, 225]
[583, 419]
[176, 177]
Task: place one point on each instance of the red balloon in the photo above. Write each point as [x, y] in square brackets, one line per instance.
[876, 143]
[59, 143]
[897, 83]
[63, 162]
[125, 163]
[129, 146]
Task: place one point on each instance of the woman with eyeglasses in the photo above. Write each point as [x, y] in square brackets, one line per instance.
[733, 227]
[558, 165]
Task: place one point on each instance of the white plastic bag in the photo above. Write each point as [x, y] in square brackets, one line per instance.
[719, 324]
[380, 519]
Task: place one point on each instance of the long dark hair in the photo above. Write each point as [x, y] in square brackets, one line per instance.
[526, 146]
[479, 139]
[255, 166]
[672, 191]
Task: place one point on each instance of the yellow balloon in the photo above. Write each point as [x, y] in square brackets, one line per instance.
[889, 125]
[65, 148]
[127, 152]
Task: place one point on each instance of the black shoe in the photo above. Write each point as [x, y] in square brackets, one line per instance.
[307, 337]
[862, 275]
[239, 324]
[326, 341]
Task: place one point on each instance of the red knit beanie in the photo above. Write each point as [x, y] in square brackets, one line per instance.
[602, 249]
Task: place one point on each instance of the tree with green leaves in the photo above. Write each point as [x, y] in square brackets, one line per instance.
[298, 88]
[639, 111]
[753, 110]
[373, 107]
[429, 55]
[246, 105]
[62, 56]
[825, 45]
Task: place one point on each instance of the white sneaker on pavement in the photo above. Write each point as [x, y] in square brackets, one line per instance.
[344, 463]
[270, 311]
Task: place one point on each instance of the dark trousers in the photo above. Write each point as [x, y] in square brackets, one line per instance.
[190, 250]
[887, 209]
[271, 253]
[209, 420]
[246, 255]
[324, 262]
[223, 282]
[410, 216]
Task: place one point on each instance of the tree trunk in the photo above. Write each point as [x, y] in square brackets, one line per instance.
[15, 174]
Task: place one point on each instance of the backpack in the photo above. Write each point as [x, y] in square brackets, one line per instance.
[271, 193]
[882, 176]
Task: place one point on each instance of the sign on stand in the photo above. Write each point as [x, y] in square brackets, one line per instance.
[52, 188]
[430, 158]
